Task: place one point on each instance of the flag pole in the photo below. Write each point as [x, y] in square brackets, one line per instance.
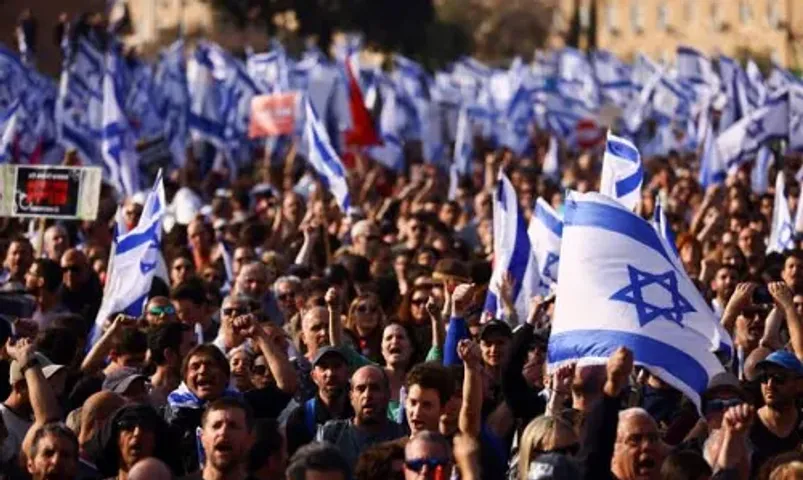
[40, 242]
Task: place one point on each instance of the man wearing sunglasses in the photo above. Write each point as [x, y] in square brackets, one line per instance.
[428, 455]
[80, 290]
[159, 311]
[228, 337]
[777, 427]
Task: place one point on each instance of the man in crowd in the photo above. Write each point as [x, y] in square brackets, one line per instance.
[57, 241]
[53, 453]
[19, 257]
[43, 281]
[168, 344]
[227, 434]
[80, 291]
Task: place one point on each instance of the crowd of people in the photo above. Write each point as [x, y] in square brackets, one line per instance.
[354, 345]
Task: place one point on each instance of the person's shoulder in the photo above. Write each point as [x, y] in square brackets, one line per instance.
[332, 429]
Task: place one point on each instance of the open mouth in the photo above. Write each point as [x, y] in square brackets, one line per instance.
[223, 448]
[395, 350]
[644, 467]
[417, 425]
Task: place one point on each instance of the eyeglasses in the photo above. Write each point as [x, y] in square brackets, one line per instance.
[129, 424]
[418, 301]
[166, 310]
[365, 308]
[234, 312]
[777, 378]
[720, 405]
[569, 450]
[72, 269]
[418, 464]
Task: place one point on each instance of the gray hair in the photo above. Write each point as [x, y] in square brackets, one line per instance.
[430, 437]
[291, 279]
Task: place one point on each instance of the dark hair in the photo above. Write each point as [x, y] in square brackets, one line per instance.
[685, 465]
[50, 271]
[207, 350]
[193, 290]
[131, 341]
[268, 441]
[320, 457]
[377, 460]
[58, 344]
[230, 403]
[165, 336]
[434, 376]
[57, 429]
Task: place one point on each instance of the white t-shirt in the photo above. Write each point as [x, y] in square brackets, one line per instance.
[17, 428]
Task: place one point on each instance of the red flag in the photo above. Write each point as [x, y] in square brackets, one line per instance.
[363, 133]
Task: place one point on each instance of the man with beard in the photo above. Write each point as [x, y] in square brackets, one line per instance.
[777, 428]
[330, 374]
[792, 273]
[53, 454]
[227, 435]
[723, 286]
[370, 393]
[80, 291]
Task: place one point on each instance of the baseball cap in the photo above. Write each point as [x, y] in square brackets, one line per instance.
[328, 351]
[451, 269]
[48, 369]
[724, 382]
[783, 359]
[553, 466]
[120, 380]
[495, 326]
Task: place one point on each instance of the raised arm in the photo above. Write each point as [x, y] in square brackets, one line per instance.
[43, 401]
[332, 299]
[734, 451]
[280, 367]
[94, 360]
[742, 298]
[783, 300]
[508, 305]
[457, 329]
[470, 420]
[438, 332]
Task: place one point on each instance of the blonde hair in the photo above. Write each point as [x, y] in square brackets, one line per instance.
[788, 471]
[540, 433]
[350, 323]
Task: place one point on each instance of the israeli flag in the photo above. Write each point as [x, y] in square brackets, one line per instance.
[796, 117]
[545, 232]
[782, 233]
[117, 144]
[270, 71]
[134, 262]
[760, 175]
[633, 295]
[744, 137]
[512, 252]
[174, 99]
[780, 78]
[517, 121]
[622, 172]
[205, 113]
[8, 125]
[712, 168]
[390, 154]
[693, 65]
[551, 164]
[324, 159]
[464, 144]
[662, 226]
[613, 77]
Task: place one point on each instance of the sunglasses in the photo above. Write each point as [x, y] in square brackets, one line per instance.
[71, 269]
[365, 308]
[129, 424]
[418, 301]
[716, 406]
[259, 369]
[234, 312]
[166, 310]
[569, 450]
[777, 378]
[418, 464]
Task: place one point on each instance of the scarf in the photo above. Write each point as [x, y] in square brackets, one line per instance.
[182, 397]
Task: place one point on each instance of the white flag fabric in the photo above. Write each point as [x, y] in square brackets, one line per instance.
[551, 165]
[620, 287]
[545, 232]
[512, 252]
[118, 141]
[782, 233]
[760, 175]
[743, 138]
[622, 171]
[135, 260]
[323, 158]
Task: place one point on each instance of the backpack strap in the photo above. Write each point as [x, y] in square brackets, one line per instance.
[309, 415]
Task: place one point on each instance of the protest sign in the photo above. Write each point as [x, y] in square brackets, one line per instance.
[50, 191]
[273, 114]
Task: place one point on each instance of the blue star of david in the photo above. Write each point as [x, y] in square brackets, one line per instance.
[646, 311]
[786, 235]
[552, 259]
[756, 127]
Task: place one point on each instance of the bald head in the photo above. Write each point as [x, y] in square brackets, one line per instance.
[96, 410]
[150, 469]
[56, 242]
[75, 269]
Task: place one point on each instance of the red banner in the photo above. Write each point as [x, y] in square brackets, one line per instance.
[273, 114]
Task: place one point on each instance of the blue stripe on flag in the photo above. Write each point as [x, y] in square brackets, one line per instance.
[518, 259]
[135, 240]
[613, 219]
[554, 224]
[628, 184]
[576, 344]
[622, 150]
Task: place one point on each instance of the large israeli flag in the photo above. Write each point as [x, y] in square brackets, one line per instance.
[512, 252]
[517, 120]
[743, 138]
[620, 287]
[782, 233]
[545, 232]
[622, 171]
[134, 262]
[118, 142]
[712, 167]
[9, 122]
[323, 158]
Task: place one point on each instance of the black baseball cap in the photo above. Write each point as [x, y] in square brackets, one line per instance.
[495, 327]
[328, 351]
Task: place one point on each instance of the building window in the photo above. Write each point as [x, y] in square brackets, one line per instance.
[610, 17]
[663, 16]
[716, 15]
[745, 12]
[636, 20]
[585, 17]
[688, 11]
